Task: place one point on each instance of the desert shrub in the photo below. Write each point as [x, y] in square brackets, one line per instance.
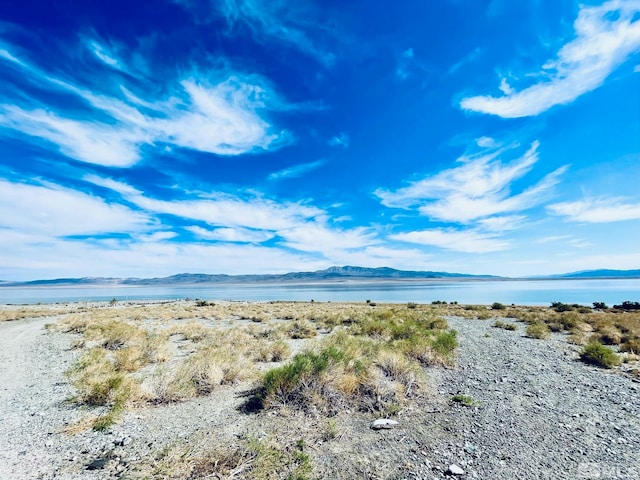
[302, 329]
[445, 343]
[600, 305]
[210, 367]
[561, 307]
[600, 355]
[305, 378]
[504, 325]
[609, 334]
[538, 330]
[399, 368]
[264, 459]
[569, 320]
[630, 345]
[498, 306]
[438, 323]
[465, 400]
[273, 351]
[194, 331]
[626, 305]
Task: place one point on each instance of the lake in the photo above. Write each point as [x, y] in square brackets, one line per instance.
[521, 292]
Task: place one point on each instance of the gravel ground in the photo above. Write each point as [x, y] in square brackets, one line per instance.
[540, 414]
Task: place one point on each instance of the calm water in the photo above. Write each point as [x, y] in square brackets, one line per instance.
[523, 292]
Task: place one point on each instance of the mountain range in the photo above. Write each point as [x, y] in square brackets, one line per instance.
[332, 274]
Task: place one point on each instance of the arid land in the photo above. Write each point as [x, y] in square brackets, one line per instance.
[195, 389]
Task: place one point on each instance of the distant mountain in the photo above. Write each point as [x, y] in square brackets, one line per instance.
[332, 274]
[329, 274]
[603, 273]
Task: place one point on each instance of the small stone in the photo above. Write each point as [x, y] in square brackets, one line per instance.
[383, 423]
[455, 470]
[121, 441]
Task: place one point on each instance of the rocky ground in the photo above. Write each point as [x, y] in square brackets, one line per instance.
[535, 412]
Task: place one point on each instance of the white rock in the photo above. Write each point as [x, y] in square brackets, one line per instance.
[455, 470]
[383, 423]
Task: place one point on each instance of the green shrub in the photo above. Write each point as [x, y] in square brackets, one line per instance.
[498, 306]
[600, 355]
[445, 343]
[465, 400]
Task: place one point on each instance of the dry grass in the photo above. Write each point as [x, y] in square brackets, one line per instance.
[348, 355]
[265, 459]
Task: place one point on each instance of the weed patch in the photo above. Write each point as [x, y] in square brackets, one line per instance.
[600, 355]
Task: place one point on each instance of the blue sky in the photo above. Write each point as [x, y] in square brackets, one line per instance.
[245, 136]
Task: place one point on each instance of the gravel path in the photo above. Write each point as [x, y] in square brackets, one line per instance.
[541, 414]
[33, 391]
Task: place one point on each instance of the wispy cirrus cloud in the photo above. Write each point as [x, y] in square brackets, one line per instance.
[342, 140]
[232, 218]
[467, 241]
[221, 112]
[479, 188]
[284, 21]
[598, 210]
[605, 37]
[219, 210]
[233, 235]
[296, 171]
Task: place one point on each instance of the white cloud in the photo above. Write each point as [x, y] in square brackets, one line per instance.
[214, 112]
[227, 234]
[104, 54]
[284, 21]
[54, 211]
[460, 241]
[317, 237]
[87, 141]
[606, 36]
[486, 142]
[341, 140]
[597, 210]
[478, 188]
[502, 224]
[467, 59]
[506, 88]
[296, 171]
[299, 226]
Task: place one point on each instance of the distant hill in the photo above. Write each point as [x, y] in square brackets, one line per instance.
[603, 273]
[329, 274]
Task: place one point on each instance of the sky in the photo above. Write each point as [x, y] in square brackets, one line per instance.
[145, 139]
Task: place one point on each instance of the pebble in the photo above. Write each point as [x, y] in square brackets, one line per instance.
[383, 424]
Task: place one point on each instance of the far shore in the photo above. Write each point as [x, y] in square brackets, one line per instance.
[336, 281]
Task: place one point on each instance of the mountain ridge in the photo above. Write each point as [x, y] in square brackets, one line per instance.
[334, 274]
[329, 274]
